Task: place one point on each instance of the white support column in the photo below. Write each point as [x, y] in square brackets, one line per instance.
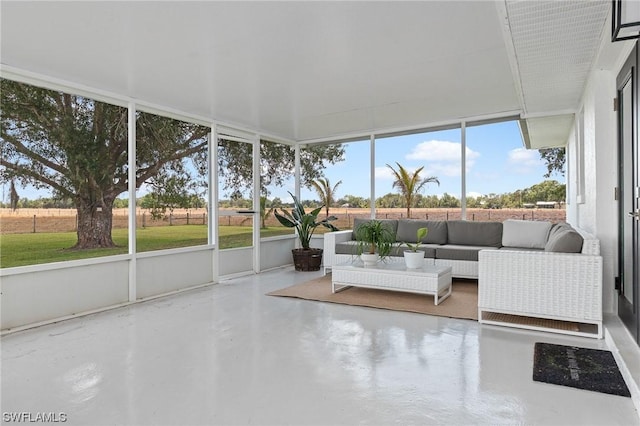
[211, 188]
[131, 150]
[463, 170]
[213, 207]
[256, 204]
[297, 174]
[372, 176]
[297, 171]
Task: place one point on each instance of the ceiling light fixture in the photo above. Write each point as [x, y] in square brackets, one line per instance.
[625, 20]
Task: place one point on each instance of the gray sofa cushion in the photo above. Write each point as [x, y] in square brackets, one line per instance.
[463, 232]
[407, 229]
[430, 250]
[525, 233]
[436, 234]
[558, 227]
[520, 249]
[356, 223]
[392, 223]
[347, 247]
[457, 252]
[565, 241]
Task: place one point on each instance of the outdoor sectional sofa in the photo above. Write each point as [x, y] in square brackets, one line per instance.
[525, 269]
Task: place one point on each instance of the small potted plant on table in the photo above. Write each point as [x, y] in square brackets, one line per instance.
[305, 258]
[413, 257]
[374, 241]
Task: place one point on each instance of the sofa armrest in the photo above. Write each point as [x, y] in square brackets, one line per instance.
[330, 240]
[543, 284]
[590, 244]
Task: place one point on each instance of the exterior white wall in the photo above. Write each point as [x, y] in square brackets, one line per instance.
[605, 161]
[276, 252]
[43, 293]
[571, 178]
[597, 213]
[159, 273]
[235, 261]
[31, 295]
[317, 241]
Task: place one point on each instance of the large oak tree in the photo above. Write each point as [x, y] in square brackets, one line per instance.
[277, 164]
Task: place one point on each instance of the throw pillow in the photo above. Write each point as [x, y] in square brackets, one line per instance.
[565, 241]
[558, 227]
[525, 233]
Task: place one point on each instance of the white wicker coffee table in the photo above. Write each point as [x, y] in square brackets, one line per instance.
[430, 279]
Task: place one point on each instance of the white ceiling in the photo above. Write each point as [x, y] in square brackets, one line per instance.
[310, 70]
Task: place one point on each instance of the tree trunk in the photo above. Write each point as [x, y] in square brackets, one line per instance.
[94, 225]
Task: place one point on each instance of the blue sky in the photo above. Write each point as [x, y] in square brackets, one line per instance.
[496, 162]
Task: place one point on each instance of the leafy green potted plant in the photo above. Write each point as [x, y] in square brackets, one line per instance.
[374, 241]
[305, 258]
[413, 257]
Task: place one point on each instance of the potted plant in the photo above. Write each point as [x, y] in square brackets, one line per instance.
[304, 258]
[413, 257]
[374, 241]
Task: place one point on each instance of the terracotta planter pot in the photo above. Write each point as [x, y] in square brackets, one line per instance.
[307, 259]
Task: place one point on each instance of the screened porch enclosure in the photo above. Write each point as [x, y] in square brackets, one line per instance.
[254, 93]
[229, 240]
[284, 107]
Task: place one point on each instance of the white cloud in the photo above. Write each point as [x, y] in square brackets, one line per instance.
[383, 173]
[523, 160]
[444, 169]
[437, 151]
[442, 157]
[495, 175]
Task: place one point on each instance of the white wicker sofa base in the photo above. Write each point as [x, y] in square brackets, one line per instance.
[565, 288]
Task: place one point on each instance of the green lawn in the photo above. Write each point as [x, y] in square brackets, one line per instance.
[31, 249]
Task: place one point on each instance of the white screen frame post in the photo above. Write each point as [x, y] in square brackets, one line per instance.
[131, 146]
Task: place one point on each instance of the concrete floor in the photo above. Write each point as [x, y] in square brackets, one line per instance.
[228, 354]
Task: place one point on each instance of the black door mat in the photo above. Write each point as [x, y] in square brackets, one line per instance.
[582, 368]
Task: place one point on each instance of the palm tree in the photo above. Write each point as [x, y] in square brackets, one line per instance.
[409, 184]
[325, 192]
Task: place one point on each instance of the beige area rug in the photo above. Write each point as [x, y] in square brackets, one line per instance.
[463, 302]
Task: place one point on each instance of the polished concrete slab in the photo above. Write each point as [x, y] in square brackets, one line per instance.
[228, 354]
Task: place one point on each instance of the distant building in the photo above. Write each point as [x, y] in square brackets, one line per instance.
[547, 204]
